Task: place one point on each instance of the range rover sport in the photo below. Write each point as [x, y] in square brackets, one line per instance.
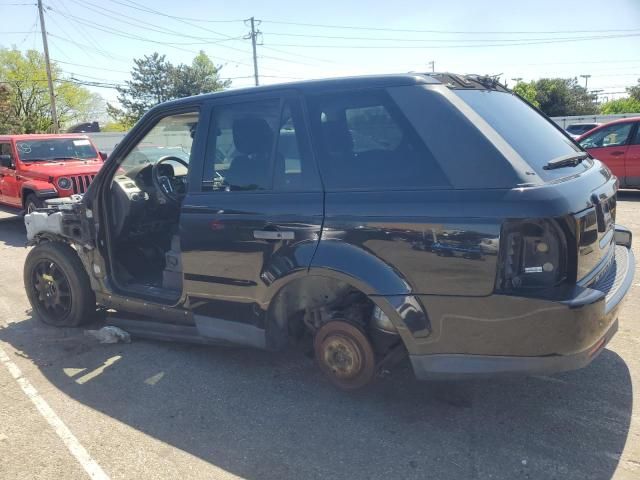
[434, 216]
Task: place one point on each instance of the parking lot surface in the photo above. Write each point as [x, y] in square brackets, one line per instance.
[166, 410]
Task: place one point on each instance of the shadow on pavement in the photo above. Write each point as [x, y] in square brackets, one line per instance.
[263, 415]
[12, 232]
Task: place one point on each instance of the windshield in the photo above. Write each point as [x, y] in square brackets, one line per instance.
[56, 149]
[530, 134]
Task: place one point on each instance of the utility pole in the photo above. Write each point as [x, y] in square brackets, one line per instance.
[253, 35]
[586, 80]
[433, 65]
[517, 79]
[45, 45]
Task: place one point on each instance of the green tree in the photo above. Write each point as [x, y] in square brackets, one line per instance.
[634, 92]
[8, 120]
[149, 85]
[621, 105]
[28, 96]
[563, 96]
[155, 80]
[528, 92]
[202, 76]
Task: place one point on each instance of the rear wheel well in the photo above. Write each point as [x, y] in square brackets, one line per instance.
[304, 305]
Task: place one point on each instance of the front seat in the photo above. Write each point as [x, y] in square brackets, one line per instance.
[249, 169]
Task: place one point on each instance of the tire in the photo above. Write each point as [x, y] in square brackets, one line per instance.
[32, 202]
[58, 286]
[344, 354]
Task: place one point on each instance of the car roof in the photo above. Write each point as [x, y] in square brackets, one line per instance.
[42, 136]
[363, 81]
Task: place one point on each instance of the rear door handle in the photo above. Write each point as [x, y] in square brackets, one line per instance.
[617, 153]
[273, 234]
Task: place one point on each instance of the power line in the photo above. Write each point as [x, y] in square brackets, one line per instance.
[440, 40]
[119, 17]
[461, 32]
[603, 37]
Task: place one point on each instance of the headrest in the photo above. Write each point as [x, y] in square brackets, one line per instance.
[252, 135]
[337, 137]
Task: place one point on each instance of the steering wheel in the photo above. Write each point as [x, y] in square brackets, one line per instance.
[163, 184]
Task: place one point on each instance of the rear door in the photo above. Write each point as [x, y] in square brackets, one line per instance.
[609, 145]
[256, 218]
[632, 158]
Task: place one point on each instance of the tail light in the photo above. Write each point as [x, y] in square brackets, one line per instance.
[534, 255]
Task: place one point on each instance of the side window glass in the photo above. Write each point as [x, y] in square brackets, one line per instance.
[366, 143]
[5, 149]
[241, 146]
[611, 136]
[294, 165]
[636, 140]
[373, 128]
[171, 137]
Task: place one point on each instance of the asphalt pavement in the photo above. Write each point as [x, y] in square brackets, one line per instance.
[166, 410]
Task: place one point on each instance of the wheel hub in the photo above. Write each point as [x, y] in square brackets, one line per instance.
[341, 355]
[344, 354]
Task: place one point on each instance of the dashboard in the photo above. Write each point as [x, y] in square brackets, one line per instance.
[138, 209]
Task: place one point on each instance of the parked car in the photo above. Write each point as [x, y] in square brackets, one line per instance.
[577, 129]
[617, 145]
[333, 239]
[34, 168]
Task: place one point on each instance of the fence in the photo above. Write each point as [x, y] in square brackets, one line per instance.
[564, 122]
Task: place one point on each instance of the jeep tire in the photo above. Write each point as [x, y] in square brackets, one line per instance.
[32, 203]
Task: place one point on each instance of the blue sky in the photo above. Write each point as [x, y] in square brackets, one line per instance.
[460, 36]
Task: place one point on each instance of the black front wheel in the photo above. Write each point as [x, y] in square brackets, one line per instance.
[32, 203]
[57, 285]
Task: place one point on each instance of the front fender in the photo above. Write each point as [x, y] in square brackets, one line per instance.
[41, 188]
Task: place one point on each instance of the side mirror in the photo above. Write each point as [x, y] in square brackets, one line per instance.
[103, 156]
[6, 161]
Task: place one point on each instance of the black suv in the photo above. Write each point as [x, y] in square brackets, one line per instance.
[437, 216]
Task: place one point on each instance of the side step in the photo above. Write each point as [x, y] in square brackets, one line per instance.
[161, 331]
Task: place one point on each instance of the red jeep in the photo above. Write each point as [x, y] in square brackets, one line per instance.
[36, 167]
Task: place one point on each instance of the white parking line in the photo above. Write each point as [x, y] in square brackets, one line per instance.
[77, 450]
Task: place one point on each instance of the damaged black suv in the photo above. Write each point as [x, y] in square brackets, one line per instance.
[437, 216]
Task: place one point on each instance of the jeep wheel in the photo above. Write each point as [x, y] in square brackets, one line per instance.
[32, 203]
[344, 354]
[57, 285]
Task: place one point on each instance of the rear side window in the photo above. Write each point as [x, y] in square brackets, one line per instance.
[365, 143]
[530, 134]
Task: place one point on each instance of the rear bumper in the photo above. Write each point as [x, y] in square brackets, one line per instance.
[529, 336]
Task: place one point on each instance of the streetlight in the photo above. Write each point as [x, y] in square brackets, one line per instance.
[586, 80]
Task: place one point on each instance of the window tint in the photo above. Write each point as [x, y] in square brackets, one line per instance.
[241, 146]
[609, 136]
[294, 166]
[530, 134]
[365, 143]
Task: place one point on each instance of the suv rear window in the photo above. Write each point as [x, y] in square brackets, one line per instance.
[365, 143]
[530, 134]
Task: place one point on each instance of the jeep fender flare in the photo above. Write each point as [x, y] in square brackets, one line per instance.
[40, 188]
